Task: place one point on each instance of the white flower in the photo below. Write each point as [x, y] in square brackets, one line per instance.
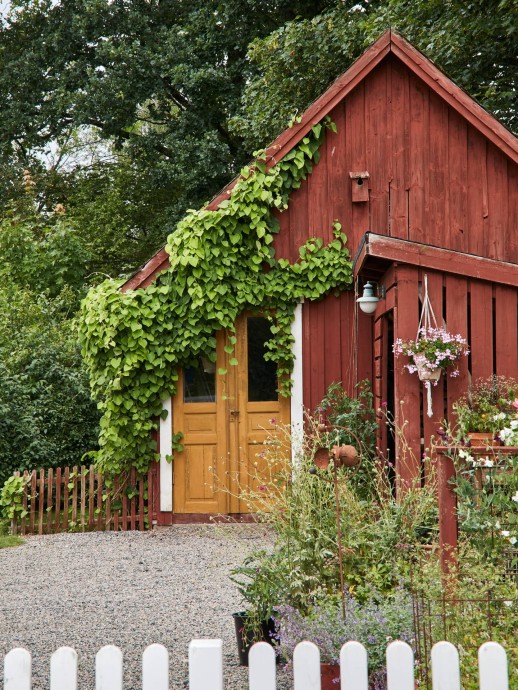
[513, 540]
[464, 454]
[515, 497]
[488, 462]
[508, 603]
[505, 533]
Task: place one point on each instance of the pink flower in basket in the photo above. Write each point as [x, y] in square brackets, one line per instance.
[434, 349]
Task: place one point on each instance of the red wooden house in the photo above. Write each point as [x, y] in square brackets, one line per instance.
[423, 181]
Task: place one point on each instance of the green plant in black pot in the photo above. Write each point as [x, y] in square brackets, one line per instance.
[259, 590]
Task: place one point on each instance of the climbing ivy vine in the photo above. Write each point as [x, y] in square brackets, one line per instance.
[221, 262]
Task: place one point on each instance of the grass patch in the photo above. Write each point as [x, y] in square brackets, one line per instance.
[10, 540]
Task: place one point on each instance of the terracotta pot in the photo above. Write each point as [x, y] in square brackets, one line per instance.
[345, 456]
[481, 439]
[330, 676]
[423, 372]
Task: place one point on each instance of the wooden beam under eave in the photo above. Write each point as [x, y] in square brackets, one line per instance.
[435, 258]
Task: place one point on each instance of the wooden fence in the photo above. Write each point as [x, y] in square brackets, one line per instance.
[78, 499]
[206, 667]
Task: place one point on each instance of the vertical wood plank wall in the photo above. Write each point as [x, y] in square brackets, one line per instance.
[433, 179]
[485, 313]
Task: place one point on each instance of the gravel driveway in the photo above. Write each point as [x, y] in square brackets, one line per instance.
[129, 589]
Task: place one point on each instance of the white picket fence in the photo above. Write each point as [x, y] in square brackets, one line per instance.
[206, 667]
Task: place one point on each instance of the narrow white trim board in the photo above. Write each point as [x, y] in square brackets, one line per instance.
[297, 396]
[166, 468]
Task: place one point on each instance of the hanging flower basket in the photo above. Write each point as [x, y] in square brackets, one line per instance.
[425, 371]
[433, 350]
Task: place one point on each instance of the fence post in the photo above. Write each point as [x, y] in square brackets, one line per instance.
[306, 666]
[14, 521]
[261, 667]
[50, 502]
[447, 502]
[63, 669]
[445, 666]
[41, 498]
[108, 668]
[400, 666]
[206, 665]
[17, 670]
[492, 664]
[354, 673]
[155, 668]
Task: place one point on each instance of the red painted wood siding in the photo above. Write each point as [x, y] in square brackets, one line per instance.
[433, 179]
[485, 313]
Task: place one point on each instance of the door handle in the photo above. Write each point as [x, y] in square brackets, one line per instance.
[234, 413]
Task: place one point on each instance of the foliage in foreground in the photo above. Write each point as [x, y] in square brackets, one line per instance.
[378, 532]
[372, 623]
[390, 557]
[475, 604]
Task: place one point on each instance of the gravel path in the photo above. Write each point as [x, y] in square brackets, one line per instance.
[129, 589]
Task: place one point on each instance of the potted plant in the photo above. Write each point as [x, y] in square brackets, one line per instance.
[434, 350]
[258, 592]
[488, 412]
[373, 623]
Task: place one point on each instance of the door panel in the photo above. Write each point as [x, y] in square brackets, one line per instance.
[224, 439]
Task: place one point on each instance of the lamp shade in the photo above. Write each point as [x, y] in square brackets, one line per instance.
[368, 300]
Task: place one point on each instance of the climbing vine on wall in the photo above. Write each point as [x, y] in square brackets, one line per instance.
[222, 262]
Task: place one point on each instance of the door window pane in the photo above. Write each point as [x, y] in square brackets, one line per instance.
[199, 383]
[262, 375]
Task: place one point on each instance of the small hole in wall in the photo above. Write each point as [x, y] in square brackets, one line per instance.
[359, 182]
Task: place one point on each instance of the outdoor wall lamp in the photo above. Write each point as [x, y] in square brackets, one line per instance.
[368, 301]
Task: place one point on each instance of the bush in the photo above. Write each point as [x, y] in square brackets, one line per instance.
[373, 623]
[354, 423]
[379, 535]
[47, 417]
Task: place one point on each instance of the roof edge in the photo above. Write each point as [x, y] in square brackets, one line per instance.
[422, 66]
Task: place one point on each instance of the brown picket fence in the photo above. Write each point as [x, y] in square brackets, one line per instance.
[78, 499]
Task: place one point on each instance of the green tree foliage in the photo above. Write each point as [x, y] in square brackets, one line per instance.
[157, 80]
[47, 417]
[475, 43]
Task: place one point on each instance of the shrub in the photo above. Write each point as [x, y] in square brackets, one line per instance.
[373, 623]
[353, 419]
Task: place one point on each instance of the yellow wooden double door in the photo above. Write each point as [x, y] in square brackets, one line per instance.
[225, 421]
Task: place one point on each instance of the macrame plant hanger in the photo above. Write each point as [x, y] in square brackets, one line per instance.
[426, 322]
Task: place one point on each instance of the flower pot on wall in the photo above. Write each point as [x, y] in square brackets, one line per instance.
[481, 439]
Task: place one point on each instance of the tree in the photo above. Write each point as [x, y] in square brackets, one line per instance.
[157, 80]
[475, 43]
